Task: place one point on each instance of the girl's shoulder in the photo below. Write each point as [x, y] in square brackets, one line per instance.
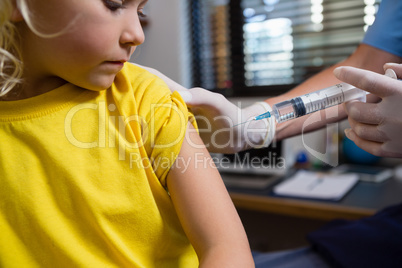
[140, 81]
[135, 85]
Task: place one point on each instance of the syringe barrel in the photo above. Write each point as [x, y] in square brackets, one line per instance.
[316, 101]
[355, 94]
[331, 96]
[288, 110]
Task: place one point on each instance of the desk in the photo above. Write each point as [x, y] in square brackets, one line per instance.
[363, 200]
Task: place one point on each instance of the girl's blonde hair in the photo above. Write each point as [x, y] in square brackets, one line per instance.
[11, 66]
[10, 55]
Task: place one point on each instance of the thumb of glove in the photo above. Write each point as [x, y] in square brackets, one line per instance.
[259, 133]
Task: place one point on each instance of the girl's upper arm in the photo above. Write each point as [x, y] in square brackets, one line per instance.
[205, 209]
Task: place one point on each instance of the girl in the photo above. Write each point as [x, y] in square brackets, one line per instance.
[98, 165]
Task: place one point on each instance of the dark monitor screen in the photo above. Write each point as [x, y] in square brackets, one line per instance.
[255, 161]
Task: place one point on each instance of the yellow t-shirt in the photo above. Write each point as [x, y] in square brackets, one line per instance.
[82, 177]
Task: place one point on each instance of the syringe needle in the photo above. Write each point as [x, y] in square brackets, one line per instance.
[243, 122]
[259, 117]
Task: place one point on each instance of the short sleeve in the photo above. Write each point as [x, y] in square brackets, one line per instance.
[166, 130]
[386, 31]
[163, 117]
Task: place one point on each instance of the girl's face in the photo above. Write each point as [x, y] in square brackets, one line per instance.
[96, 38]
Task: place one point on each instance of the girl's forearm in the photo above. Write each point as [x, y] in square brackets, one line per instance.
[226, 257]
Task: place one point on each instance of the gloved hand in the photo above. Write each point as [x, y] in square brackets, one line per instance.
[217, 119]
[375, 127]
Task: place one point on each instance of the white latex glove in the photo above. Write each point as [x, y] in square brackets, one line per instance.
[173, 86]
[375, 127]
[217, 119]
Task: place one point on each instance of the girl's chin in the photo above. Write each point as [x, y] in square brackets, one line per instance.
[100, 87]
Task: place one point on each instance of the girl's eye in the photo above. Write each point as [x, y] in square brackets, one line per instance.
[141, 13]
[114, 5]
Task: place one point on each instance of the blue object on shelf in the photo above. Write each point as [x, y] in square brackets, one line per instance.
[301, 157]
[355, 154]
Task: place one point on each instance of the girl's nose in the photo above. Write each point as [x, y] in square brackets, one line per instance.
[132, 34]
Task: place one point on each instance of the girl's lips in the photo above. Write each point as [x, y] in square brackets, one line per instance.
[117, 62]
[114, 66]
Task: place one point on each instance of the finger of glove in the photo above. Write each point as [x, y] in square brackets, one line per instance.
[255, 132]
[392, 148]
[263, 130]
[215, 106]
[203, 97]
[372, 82]
[386, 149]
[367, 132]
[371, 147]
[392, 129]
[367, 113]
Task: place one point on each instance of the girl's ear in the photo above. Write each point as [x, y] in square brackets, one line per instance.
[16, 16]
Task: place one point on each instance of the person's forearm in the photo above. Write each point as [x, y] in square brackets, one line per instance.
[365, 57]
[221, 257]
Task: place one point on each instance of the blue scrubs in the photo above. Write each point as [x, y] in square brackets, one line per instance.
[386, 32]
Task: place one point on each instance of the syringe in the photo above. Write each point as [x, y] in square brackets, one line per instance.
[316, 101]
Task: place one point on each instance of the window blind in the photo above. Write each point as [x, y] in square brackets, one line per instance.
[248, 45]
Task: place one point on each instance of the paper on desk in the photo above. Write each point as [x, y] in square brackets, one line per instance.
[307, 184]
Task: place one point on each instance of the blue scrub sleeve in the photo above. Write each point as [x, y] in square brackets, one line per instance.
[386, 31]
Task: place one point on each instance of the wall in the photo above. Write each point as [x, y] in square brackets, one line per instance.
[166, 46]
